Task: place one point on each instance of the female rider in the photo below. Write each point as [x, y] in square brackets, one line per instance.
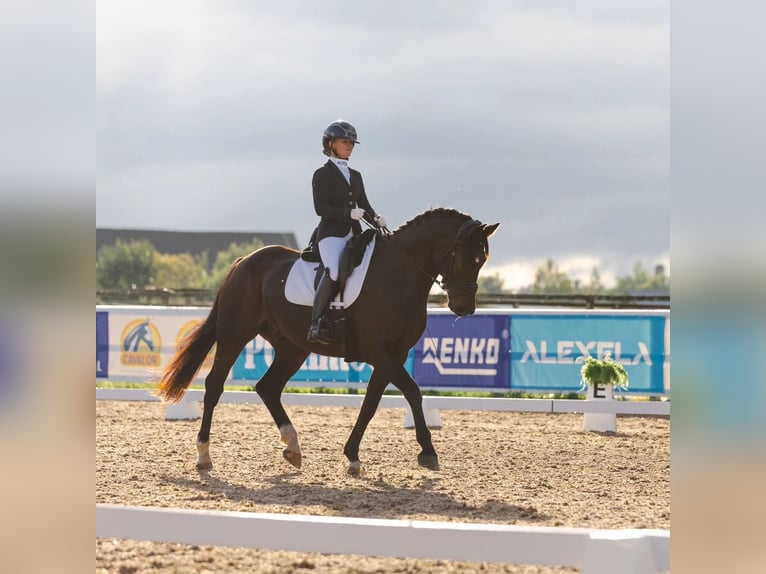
[340, 202]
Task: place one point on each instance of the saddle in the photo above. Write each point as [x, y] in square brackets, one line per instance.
[353, 256]
[350, 258]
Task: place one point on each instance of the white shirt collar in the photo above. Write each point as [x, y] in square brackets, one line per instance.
[339, 162]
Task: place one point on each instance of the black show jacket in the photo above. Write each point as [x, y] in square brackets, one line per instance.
[334, 198]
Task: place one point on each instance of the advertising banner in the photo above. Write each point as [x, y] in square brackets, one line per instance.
[143, 340]
[136, 343]
[546, 349]
[102, 344]
[258, 355]
[471, 352]
[494, 350]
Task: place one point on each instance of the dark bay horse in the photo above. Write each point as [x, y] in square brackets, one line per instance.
[386, 321]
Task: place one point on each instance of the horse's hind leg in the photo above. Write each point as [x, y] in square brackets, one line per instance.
[213, 389]
[287, 360]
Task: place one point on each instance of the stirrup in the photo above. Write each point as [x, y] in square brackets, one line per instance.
[320, 332]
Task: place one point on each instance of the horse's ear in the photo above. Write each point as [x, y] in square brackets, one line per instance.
[487, 230]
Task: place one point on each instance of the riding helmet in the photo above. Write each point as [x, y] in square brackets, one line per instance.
[335, 130]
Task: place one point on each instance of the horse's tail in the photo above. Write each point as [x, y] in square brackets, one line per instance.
[179, 374]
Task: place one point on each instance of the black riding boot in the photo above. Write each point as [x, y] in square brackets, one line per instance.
[320, 330]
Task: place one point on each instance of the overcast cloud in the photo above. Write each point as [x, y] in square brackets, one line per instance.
[549, 117]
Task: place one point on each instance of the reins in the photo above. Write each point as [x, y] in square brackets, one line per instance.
[446, 283]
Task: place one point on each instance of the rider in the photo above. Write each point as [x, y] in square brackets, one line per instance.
[340, 201]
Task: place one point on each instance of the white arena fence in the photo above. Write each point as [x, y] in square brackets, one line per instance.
[593, 551]
[652, 408]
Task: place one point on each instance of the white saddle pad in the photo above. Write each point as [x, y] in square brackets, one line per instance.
[299, 288]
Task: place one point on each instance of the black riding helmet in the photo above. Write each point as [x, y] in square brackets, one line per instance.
[336, 130]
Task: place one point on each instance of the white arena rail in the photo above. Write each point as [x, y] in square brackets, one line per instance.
[654, 408]
[592, 551]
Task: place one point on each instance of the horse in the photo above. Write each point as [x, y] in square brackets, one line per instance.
[384, 323]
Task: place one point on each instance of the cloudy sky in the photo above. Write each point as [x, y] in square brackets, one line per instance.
[551, 118]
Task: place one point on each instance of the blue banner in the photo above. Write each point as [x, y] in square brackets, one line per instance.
[258, 355]
[496, 350]
[464, 352]
[10, 360]
[547, 349]
[102, 344]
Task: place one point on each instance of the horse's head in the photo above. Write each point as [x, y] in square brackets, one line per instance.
[462, 263]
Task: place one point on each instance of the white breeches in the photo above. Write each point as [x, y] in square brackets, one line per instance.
[330, 249]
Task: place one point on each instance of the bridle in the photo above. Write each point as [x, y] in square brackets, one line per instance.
[448, 260]
[447, 283]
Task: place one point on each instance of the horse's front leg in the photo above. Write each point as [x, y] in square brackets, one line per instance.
[375, 388]
[409, 388]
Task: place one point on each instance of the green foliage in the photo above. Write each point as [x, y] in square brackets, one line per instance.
[179, 271]
[225, 258]
[137, 264]
[324, 390]
[491, 283]
[203, 260]
[641, 280]
[594, 285]
[104, 384]
[125, 265]
[604, 371]
[550, 279]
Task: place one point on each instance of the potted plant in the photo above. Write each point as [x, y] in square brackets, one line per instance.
[601, 377]
[604, 371]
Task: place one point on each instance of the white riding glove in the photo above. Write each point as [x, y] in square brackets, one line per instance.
[357, 213]
[381, 221]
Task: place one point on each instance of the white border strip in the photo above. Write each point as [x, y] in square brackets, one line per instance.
[592, 550]
[654, 408]
[436, 310]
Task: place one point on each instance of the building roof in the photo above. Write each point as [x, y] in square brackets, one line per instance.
[194, 242]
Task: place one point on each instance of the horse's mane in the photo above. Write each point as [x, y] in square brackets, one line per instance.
[435, 213]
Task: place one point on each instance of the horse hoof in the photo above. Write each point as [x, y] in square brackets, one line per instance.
[292, 457]
[355, 469]
[204, 465]
[429, 461]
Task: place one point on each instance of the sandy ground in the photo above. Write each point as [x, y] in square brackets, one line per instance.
[507, 468]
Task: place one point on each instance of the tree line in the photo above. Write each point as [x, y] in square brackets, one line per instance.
[136, 264]
[550, 279]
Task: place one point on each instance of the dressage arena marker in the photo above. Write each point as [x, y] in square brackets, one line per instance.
[599, 422]
[432, 416]
[430, 404]
[185, 410]
[633, 551]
